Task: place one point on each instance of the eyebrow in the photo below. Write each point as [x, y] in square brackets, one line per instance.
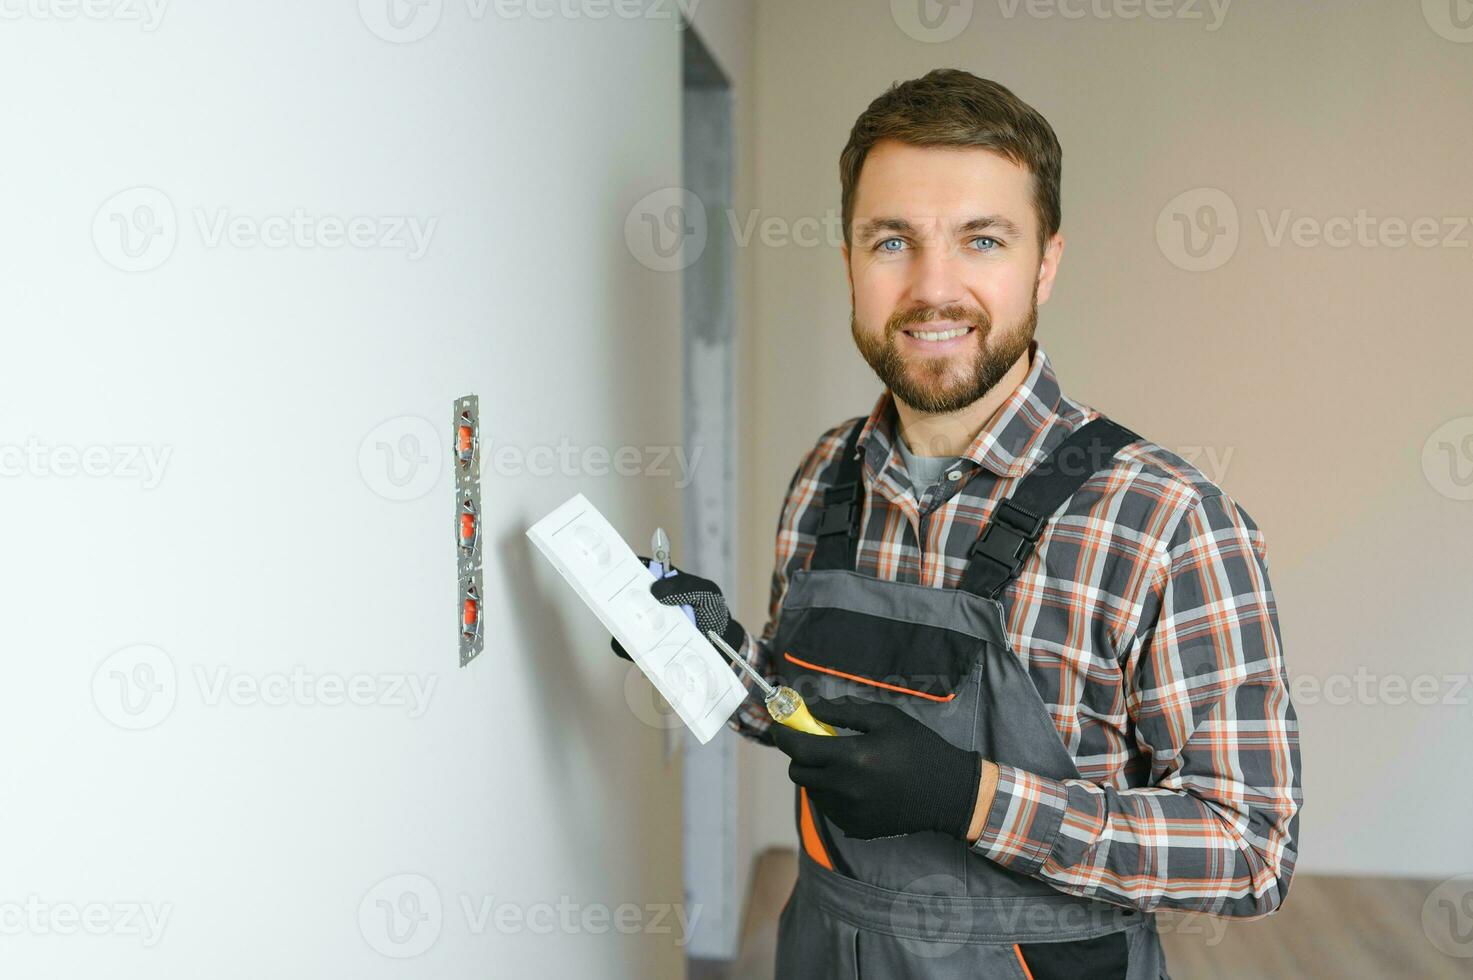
[986, 222]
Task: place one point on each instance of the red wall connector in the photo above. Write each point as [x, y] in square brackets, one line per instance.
[465, 440]
[470, 613]
[470, 526]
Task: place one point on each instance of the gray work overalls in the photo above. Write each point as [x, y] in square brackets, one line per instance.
[925, 905]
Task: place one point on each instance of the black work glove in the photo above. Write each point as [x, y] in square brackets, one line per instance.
[703, 596]
[896, 778]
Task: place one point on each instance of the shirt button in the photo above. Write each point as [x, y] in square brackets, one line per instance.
[954, 475]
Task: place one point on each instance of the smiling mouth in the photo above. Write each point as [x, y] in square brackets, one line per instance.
[937, 336]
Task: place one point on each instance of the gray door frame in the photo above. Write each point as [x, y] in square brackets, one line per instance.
[711, 800]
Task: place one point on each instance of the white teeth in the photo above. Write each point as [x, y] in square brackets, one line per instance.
[938, 334]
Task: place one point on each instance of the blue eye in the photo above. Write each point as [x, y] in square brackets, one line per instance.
[880, 247]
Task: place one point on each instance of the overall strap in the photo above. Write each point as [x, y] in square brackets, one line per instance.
[1016, 525]
[843, 501]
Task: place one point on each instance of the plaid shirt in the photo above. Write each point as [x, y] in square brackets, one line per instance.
[1146, 620]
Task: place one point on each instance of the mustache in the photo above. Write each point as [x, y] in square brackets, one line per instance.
[974, 316]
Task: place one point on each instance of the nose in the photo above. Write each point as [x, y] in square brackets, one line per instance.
[937, 279]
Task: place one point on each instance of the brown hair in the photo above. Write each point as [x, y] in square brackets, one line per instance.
[951, 107]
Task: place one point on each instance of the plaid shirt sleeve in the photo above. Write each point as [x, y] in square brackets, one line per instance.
[1215, 829]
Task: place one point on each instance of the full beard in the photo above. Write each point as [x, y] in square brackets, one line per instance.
[942, 385]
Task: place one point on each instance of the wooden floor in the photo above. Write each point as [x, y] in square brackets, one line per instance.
[1329, 927]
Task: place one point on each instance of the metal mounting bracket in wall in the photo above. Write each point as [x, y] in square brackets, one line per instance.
[466, 461]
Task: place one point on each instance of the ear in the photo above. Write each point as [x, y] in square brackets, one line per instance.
[1048, 267]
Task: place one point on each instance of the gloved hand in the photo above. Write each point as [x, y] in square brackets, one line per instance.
[703, 596]
[896, 778]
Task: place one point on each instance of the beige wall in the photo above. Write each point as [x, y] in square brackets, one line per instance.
[1307, 379]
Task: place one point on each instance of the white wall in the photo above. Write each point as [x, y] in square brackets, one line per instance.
[1318, 376]
[269, 545]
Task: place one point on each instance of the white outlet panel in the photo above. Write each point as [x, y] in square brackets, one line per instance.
[685, 668]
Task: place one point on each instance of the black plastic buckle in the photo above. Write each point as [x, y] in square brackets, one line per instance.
[1009, 537]
[835, 517]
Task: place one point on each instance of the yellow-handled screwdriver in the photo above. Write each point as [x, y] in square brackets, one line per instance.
[783, 703]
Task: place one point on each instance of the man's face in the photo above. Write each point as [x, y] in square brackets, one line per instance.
[945, 239]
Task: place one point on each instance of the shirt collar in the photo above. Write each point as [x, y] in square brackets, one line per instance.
[1011, 442]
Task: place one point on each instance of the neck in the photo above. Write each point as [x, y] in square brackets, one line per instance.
[950, 433]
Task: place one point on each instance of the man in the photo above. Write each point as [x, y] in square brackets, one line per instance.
[1054, 641]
